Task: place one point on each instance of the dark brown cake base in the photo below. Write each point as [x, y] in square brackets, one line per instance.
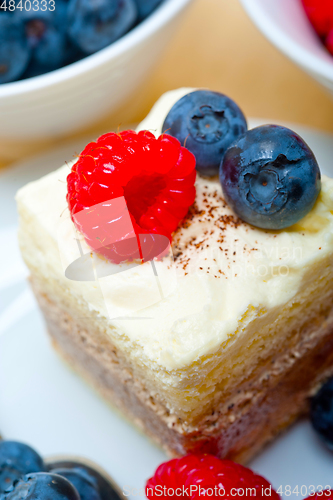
[265, 405]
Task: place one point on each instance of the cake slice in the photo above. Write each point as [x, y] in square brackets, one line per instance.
[217, 346]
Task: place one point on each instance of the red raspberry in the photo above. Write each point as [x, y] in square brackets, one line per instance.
[329, 41]
[320, 14]
[321, 495]
[217, 479]
[152, 183]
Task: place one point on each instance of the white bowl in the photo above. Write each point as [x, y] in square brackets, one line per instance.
[285, 24]
[72, 97]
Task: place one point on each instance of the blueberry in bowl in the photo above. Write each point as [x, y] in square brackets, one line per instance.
[92, 25]
[55, 33]
[15, 53]
[87, 86]
[270, 177]
[45, 33]
[206, 123]
[146, 7]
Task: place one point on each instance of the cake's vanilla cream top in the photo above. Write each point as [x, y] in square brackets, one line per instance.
[223, 272]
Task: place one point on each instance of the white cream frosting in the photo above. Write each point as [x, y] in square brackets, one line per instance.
[222, 269]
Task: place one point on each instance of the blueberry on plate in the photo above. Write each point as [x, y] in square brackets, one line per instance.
[15, 52]
[16, 460]
[206, 123]
[41, 486]
[270, 177]
[85, 484]
[322, 413]
[94, 24]
[146, 7]
[45, 31]
[101, 484]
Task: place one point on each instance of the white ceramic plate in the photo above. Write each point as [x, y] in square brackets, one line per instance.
[48, 406]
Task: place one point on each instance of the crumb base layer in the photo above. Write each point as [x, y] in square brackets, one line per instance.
[240, 429]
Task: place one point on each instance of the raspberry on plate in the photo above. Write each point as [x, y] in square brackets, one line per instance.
[151, 184]
[195, 476]
[321, 495]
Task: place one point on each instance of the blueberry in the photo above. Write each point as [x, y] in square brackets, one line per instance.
[46, 36]
[15, 52]
[85, 484]
[146, 7]
[94, 24]
[16, 460]
[206, 123]
[41, 486]
[101, 484]
[322, 413]
[270, 177]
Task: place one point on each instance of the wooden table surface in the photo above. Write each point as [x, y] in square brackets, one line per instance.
[218, 47]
